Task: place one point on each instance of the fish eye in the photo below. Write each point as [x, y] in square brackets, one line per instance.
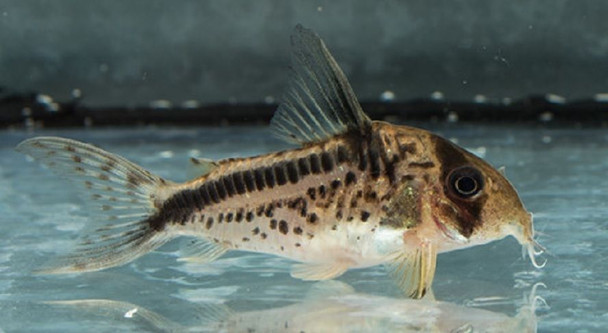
[465, 182]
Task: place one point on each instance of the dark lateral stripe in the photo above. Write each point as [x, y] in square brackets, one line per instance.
[315, 163]
[229, 185]
[280, 174]
[350, 178]
[198, 200]
[221, 189]
[342, 154]
[204, 194]
[258, 174]
[239, 183]
[212, 191]
[303, 166]
[249, 180]
[374, 162]
[327, 162]
[269, 177]
[362, 158]
[292, 172]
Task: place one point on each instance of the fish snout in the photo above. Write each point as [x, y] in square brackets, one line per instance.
[523, 230]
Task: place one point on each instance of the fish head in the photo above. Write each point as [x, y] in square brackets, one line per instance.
[474, 203]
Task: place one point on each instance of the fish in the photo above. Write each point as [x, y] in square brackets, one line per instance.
[329, 306]
[352, 193]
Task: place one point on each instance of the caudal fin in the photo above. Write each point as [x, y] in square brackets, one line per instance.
[120, 197]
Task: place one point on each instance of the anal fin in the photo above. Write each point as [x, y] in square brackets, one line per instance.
[413, 272]
[315, 272]
[200, 251]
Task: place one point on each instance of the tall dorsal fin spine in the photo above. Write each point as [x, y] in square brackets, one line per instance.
[319, 102]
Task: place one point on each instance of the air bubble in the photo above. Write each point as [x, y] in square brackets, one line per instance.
[387, 96]
[546, 116]
[191, 104]
[437, 96]
[555, 99]
[480, 99]
[269, 99]
[166, 154]
[161, 104]
[452, 117]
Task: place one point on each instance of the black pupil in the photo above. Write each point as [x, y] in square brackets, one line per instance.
[465, 182]
[466, 185]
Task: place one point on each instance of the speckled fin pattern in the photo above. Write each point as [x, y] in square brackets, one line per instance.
[119, 195]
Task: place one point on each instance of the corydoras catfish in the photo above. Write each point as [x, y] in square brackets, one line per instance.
[355, 193]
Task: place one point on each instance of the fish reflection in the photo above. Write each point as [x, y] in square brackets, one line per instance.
[331, 306]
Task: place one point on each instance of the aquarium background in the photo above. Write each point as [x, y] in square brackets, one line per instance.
[521, 84]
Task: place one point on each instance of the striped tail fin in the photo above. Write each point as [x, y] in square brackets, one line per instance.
[120, 196]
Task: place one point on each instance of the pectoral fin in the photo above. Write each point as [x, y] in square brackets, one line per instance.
[414, 271]
[315, 272]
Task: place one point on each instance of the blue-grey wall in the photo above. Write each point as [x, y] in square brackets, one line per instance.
[133, 52]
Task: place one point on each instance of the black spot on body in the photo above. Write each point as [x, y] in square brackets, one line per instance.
[249, 217]
[245, 239]
[350, 178]
[229, 217]
[239, 215]
[297, 230]
[422, 165]
[209, 223]
[255, 231]
[312, 218]
[322, 191]
[263, 235]
[364, 215]
[312, 193]
[269, 212]
[283, 227]
[273, 224]
[335, 184]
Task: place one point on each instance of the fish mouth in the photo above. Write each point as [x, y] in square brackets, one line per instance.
[524, 233]
[449, 232]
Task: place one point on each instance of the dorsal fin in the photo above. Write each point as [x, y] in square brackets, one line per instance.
[319, 102]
